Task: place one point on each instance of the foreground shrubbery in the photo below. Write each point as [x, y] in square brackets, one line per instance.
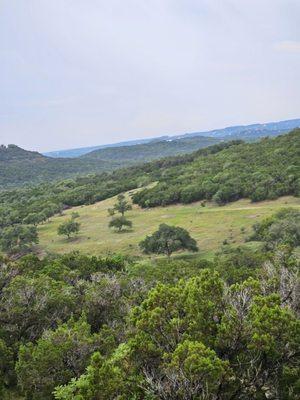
[202, 340]
[102, 328]
[281, 228]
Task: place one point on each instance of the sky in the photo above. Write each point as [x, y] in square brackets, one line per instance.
[77, 73]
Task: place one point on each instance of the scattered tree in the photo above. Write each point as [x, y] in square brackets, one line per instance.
[122, 205]
[119, 222]
[167, 240]
[69, 228]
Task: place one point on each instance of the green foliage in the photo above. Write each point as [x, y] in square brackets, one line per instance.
[119, 222]
[19, 166]
[166, 270]
[184, 338]
[104, 380]
[282, 228]
[238, 264]
[230, 171]
[18, 238]
[196, 340]
[168, 239]
[6, 366]
[65, 352]
[122, 205]
[37, 299]
[195, 369]
[31, 304]
[68, 228]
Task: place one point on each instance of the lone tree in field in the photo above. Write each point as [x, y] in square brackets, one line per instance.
[167, 240]
[122, 205]
[119, 222]
[68, 228]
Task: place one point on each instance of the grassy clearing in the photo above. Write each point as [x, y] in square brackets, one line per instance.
[209, 225]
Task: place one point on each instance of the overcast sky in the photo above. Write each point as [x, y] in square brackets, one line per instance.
[87, 72]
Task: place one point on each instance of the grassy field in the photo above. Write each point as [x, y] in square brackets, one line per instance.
[209, 225]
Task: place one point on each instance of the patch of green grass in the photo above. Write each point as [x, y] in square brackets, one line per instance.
[209, 225]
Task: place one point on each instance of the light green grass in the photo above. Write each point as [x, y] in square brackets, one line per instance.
[209, 225]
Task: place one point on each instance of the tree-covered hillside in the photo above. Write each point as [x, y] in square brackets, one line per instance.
[223, 172]
[19, 167]
[153, 150]
[12, 153]
[264, 170]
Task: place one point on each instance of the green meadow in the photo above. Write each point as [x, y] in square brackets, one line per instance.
[209, 225]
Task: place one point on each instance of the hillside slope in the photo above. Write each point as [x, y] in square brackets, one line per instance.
[262, 170]
[209, 225]
[151, 151]
[19, 166]
[224, 172]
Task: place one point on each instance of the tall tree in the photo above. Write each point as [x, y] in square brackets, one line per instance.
[122, 205]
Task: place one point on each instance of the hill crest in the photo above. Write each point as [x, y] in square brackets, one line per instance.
[13, 152]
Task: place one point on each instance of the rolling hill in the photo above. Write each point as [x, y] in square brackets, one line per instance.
[222, 173]
[151, 151]
[244, 132]
[19, 166]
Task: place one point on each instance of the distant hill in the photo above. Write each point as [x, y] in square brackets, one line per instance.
[255, 131]
[84, 150]
[19, 166]
[153, 150]
[244, 132]
[15, 153]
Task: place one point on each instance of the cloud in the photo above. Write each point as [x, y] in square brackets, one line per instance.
[288, 46]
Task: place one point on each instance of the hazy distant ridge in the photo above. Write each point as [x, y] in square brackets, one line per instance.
[246, 132]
